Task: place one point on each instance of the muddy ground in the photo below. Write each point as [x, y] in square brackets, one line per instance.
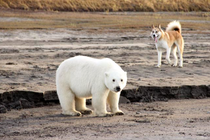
[173, 120]
[29, 59]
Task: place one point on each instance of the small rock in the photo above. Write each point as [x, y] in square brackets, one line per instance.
[11, 63]
[50, 95]
[25, 103]
[124, 100]
[3, 109]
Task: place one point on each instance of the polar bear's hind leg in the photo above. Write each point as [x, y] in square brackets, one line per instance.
[67, 101]
[81, 106]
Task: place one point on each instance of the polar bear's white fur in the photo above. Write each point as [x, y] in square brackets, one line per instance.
[80, 78]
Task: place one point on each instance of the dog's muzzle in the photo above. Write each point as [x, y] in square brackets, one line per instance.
[155, 37]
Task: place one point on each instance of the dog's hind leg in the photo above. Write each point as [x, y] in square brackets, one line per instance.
[174, 49]
[180, 51]
[168, 55]
[180, 60]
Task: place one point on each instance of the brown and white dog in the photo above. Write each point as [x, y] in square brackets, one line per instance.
[170, 39]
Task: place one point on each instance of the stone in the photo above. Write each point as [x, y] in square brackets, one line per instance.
[3, 109]
[124, 100]
[50, 95]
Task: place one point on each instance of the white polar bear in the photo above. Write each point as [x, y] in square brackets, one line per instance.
[81, 77]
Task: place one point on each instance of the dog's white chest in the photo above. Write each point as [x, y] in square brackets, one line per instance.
[161, 44]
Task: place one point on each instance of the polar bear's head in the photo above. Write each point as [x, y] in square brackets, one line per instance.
[115, 81]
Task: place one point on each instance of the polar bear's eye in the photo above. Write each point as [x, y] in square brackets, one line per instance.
[113, 80]
[121, 80]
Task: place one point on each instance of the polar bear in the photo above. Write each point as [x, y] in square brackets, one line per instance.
[81, 77]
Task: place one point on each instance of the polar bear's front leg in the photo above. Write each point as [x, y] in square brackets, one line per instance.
[67, 101]
[113, 101]
[99, 104]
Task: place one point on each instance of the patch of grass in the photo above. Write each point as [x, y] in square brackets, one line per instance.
[100, 21]
[108, 5]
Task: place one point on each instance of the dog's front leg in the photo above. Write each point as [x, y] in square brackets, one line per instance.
[159, 58]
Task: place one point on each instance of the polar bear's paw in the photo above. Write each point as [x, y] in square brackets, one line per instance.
[109, 114]
[119, 113]
[86, 112]
[75, 113]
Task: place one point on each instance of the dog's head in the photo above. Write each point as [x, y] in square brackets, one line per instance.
[156, 33]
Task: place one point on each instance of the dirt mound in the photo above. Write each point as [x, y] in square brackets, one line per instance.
[28, 99]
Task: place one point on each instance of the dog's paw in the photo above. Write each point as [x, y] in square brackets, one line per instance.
[158, 66]
[180, 66]
[174, 65]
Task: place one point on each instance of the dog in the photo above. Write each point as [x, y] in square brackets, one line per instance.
[170, 39]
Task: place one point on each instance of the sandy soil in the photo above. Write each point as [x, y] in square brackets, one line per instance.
[29, 59]
[173, 120]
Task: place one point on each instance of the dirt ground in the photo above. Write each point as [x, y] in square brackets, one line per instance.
[174, 120]
[29, 59]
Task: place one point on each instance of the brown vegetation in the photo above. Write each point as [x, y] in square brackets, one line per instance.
[108, 5]
[21, 19]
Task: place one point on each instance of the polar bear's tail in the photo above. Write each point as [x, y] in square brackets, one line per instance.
[174, 26]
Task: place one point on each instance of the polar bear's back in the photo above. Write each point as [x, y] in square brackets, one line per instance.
[83, 64]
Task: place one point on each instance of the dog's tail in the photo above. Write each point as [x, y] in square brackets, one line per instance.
[174, 26]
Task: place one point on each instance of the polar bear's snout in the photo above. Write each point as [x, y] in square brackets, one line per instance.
[117, 89]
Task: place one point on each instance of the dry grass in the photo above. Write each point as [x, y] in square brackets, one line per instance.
[108, 5]
[100, 21]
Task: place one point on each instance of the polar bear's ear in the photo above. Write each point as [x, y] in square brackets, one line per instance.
[106, 74]
[125, 73]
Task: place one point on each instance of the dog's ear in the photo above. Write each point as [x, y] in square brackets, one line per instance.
[153, 26]
[160, 29]
[159, 26]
